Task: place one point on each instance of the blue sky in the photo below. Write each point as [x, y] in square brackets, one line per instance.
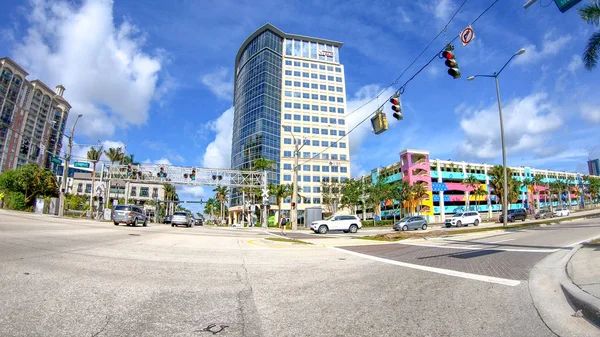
[159, 77]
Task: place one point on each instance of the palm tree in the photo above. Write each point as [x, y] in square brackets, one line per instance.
[400, 191]
[537, 180]
[478, 192]
[280, 192]
[472, 183]
[496, 174]
[377, 193]
[114, 154]
[209, 207]
[170, 194]
[221, 193]
[417, 192]
[93, 155]
[555, 189]
[128, 159]
[591, 14]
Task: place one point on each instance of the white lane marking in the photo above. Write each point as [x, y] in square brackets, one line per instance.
[501, 241]
[483, 248]
[582, 241]
[484, 244]
[449, 272]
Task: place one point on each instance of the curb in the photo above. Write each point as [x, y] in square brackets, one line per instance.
[578, 298]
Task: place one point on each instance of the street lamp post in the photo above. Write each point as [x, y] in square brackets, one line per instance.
[63, 184]
[294, 203]
[504, 173]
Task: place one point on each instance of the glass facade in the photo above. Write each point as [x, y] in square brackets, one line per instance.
[257, 105]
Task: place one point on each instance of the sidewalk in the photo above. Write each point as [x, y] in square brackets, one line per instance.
[583, 270]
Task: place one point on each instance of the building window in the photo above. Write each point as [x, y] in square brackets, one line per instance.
[305, 75]
[343, 169]
[316, 179]
[287, 166]
[296, 129]
[79, 188]
[296, 106]
[306, 107]
[304, 64]
[305, 154]
[341, 122]
[297, 117]
[305, 85]
[324, 120]
[288, 83]
[306, 167]
[338, 69]
[316, 168]
[314, 76]
[88, 188]
[133, 191]
[287, 177]
[287, 141]
[316, 200]
[314, 96]
[331, 109]
[342, 133]
[323, 87]
[331, 98]
[288, 72]
[287, 116]
[297, 63]
[144, 192]
[334, 169]
[342, 145]
[305, 95]
[296, 73]
[297, 94]
[332, 121]
[313, 65]
[324, 131]
[331, 88]
[333, 132]
[288, 62]
[315, 119]
[325, 156]
[340, 100]
[316, 189]
[306, 189]
[287, 105]
[321, 67]
[339, 89]
[315, 108]
[314, 86]
[322, 77]
[324, 143]
[306, 178]
[297, 84]
[338, 79]
[330, 78]
[287, 153]
[340, 110]
[305, 130]
[315, 143]
[315, 131]
[324, 108]
[329, 68]
[155, 192]
[334, 156]
[342, 157]
[333, 144]
[288, 94]
[306, 118]
[325, 169]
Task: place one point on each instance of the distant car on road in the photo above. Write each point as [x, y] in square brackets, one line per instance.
[543, 214]
[463, 219]
[410, 222]
[346, 223]
[128, 214]
[562, 212]
[514, 215]
[181, 218]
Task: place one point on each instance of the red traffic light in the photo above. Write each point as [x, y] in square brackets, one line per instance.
[394, 101]
[293, 204]
[447, 54]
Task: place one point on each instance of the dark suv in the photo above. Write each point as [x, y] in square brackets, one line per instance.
[514, 215]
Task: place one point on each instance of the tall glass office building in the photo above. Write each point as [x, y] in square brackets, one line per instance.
[290, 87]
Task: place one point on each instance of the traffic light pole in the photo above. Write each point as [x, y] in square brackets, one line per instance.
[294, 203]
[63, 183]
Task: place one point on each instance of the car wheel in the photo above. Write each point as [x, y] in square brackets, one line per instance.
[476, 223]
[448, 226]
[146, 223]
[134, 222]
[116, 223]
[172, 225]
[323, 229]
[405, 228]
[523, 219]
[458, 224]
[353, 228]
[424, 227]
[396, 229]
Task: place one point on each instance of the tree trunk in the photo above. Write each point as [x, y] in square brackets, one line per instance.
[92, 192]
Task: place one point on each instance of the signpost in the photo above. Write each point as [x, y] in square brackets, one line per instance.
[56, 160]
[467, 35]
[565, 5]
[81, 164]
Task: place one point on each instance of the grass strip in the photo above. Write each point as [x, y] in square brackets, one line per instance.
[397, 236]
[288, 240]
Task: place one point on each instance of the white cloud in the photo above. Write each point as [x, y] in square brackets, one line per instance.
[550, 47]
[528, 125]
[433, 70]
[109, 79]
[218, 152]
[79, 151]
[360, 101]
[443, 9]
[575, 63]
[590, 113]
[404, 16]
[218, 83]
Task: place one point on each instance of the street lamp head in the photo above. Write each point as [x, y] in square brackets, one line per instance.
[521, 51]
[470, 78]
[79, 116]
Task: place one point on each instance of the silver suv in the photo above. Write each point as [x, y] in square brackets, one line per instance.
[129, 214]
[181, 218]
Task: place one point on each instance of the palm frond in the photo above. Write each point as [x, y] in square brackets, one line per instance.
[590, 13]
[590, 55]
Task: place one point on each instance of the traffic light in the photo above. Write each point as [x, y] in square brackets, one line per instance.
[129, 170]
[193, 175]
[450, 62]
[379, 122]
[162, 173]
[395, 100]
[293, 204]
[185, 175]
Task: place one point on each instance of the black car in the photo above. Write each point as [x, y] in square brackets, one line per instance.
[514, 215]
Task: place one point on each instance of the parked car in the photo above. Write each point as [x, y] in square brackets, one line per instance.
[562, 212]
[410, 222]
[543, 214]
[167, 219]
[199, 222]
[463, 219]
[346, 223]
[514, 215]
[128, 214]
[181, 218]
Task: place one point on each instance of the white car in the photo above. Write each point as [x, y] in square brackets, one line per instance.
[562, 212]
[346, 223]
[463, 219]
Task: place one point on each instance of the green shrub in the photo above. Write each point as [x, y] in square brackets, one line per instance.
[378, 223]
[16, 200]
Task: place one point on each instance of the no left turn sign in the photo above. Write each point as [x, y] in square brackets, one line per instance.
[467, 35]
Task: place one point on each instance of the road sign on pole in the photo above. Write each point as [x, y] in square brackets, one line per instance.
[56, 160]
[81, 164]
[467, 35]
[565, 5]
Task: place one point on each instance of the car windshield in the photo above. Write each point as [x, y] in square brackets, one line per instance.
[404, 219]
[458, 215]
[330, 218]
[122, 208]
[180, 213]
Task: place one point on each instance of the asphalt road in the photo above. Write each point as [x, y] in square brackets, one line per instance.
[64, 277]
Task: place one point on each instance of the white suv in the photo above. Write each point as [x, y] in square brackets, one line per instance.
[346, 223]
[463, 219]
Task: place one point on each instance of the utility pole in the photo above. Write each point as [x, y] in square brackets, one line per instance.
[294, 204]
[63, 183]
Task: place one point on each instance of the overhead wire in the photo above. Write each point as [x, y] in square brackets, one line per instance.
[403, 86]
